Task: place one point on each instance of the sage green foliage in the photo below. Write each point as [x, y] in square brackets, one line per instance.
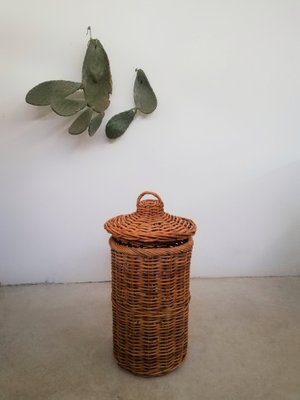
[82, 122]
[44, 93]
[96, 76]
[95, 123]
[145, 101]
[66, 107]
[144, 97]
[95, 89]
[118, 124]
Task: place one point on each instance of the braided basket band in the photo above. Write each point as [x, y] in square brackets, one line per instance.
[150, 252]
[155, 314]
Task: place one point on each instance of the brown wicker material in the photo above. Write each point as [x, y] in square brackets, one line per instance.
[150, 290]
[150, 223]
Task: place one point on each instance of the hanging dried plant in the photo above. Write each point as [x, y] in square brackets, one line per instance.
[94, 92]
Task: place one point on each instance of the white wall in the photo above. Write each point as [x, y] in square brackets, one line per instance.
[223, 147]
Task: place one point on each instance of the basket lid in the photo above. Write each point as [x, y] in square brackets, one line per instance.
[149, 223]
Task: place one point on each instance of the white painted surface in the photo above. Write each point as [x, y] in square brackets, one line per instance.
[223, 147]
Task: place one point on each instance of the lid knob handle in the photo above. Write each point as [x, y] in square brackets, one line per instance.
[151, 193]
[150, 207]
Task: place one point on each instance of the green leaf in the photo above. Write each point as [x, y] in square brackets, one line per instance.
[144, 97]
[45, 92]
[95, 123]
[96, 76]
[81, 123]
[66, 107]
[118, 124]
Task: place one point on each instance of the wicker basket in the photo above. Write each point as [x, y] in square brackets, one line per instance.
[151, 253]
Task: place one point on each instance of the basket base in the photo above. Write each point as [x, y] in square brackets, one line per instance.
[149, 373]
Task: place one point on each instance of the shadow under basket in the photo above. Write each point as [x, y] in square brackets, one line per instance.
[150, 300]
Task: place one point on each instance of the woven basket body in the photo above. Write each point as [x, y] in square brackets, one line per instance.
[150, 289]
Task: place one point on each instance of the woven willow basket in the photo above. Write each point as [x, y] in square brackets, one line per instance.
[151, 252]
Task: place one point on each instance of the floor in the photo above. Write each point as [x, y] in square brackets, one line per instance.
[244, 344]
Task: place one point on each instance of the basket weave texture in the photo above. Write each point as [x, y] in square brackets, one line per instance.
[150, 287]
[150, 223]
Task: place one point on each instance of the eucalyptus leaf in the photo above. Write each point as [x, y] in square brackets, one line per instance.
[66, 107]
[96, 76]
[81, 123]
[144, 96]
[118, 124]
[95, 123]
[44, 93]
